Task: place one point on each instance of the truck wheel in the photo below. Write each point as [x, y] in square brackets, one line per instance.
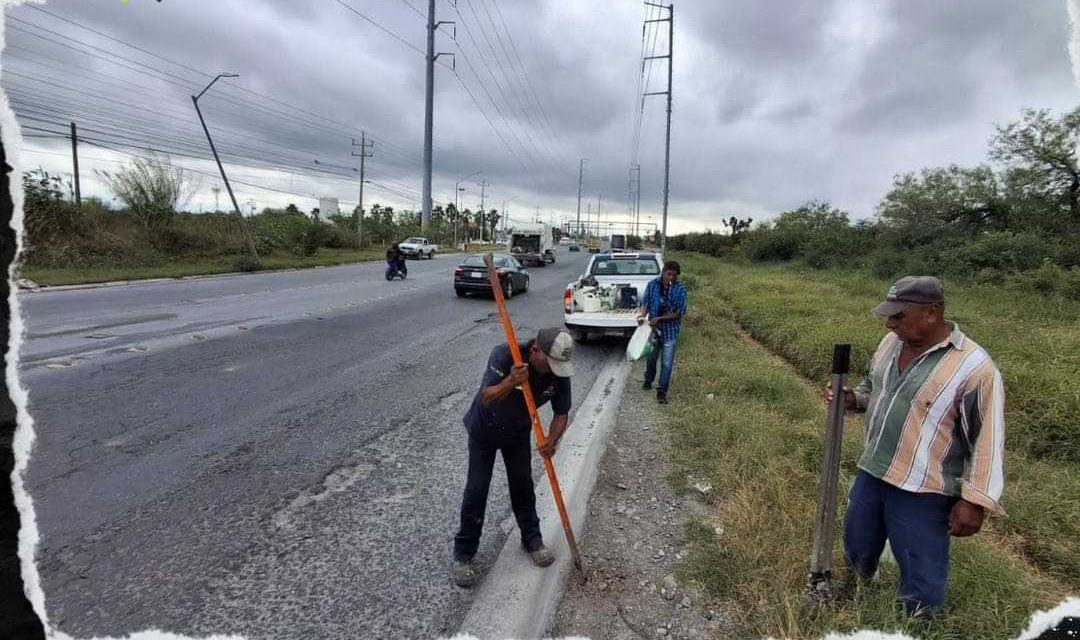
[579, 336]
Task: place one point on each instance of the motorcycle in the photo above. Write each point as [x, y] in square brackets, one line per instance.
[394, 270]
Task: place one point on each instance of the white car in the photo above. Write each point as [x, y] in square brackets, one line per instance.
[418, 248]
[564, 241]
[605, 300]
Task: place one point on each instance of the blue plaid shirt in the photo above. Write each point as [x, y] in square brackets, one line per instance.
[658, 304]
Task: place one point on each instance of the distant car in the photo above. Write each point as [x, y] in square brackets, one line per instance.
[573, 246]
[417, 248]
[564, 241]
[471, 276]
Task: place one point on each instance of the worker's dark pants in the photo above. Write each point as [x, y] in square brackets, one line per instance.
[917, 528]
[517, 458]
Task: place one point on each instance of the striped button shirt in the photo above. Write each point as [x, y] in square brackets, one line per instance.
[938, 427]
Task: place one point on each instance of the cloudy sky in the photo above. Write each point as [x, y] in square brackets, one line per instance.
[776, 102]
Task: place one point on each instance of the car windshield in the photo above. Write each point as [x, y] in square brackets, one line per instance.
[415, 241]
[478, 261]
[625, 267]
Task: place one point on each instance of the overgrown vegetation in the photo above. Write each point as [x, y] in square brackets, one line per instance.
[66, 244]
[758, 442]
[1015, 223]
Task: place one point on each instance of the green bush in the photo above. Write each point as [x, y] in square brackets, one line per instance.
[773, 245]
[1004, 251]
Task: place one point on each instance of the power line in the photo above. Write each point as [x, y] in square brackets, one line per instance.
[499, 85]
[187, 84]
[518, 94]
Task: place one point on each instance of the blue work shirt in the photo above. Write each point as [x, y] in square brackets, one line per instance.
[510, 415]
[659, 302]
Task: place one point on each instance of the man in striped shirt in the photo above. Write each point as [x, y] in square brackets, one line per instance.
[933, 459]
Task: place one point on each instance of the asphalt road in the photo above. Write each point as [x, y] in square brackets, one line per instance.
[279, 455]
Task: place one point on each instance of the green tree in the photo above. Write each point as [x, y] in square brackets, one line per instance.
[940, 199]
[1040, 154]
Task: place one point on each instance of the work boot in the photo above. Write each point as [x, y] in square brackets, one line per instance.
[465, 574]
[542, 556]
[661, 397]
[647, 386]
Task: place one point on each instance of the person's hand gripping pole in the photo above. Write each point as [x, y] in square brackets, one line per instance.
[538, 429]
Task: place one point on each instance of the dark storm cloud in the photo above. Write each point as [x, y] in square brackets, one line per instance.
[775, 102]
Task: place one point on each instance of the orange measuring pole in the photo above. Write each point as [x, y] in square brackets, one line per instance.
[538, 429]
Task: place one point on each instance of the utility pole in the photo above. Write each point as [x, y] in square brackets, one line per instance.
[483, 183]
[429, 108]
[635, 196]
[75, 162]
[363, 154]
[667, 140]
[224, 178]
[588, 217]
[580, 171]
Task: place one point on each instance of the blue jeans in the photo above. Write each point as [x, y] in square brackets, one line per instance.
[917, 528]
[666, 365]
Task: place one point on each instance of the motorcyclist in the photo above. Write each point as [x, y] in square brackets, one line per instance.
[395, 259]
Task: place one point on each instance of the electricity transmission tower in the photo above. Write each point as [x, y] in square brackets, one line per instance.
[667, 139]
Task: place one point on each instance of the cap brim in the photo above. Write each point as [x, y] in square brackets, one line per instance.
[560, 368]
[889, 308]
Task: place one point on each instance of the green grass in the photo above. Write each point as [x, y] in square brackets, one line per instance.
[759, 443]
[195, 267]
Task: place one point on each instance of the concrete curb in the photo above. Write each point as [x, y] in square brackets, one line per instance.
[517, 599]
[120, 283]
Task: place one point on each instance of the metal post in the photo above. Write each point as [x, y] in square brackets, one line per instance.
[581, 170]
[667, 139]
[364, 145]
[483, 183]
[429, 102]
[217, 159]
[75, 163]
[429, 108]
[820, 583]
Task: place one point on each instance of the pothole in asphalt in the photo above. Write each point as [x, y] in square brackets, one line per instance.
[336, 481]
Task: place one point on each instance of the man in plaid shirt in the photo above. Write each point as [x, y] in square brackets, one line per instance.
[933, 457]
[664, 305]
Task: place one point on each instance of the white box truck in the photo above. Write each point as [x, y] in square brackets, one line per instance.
[532, 244]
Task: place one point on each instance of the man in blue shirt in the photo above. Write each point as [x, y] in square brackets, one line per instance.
[664, 305]
[498, 420]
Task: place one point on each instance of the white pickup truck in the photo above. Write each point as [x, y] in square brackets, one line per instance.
[606, 298]
[418, 248]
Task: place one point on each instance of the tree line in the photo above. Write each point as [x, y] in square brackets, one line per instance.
[1012, 220]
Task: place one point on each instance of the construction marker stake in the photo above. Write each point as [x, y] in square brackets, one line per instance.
[530, 402]
[820, 583]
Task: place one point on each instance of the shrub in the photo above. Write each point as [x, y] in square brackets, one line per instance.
[772, 245]
[151, 188]
[1004, 251]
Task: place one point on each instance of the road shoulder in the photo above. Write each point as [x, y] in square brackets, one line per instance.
[636, 540]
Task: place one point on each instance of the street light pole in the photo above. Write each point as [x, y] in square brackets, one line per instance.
[213, 149]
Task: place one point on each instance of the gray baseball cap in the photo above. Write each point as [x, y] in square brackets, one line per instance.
[558, 346]
[908, 291]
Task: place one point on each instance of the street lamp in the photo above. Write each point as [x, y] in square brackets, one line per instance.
[213, 149]
[458, 188]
